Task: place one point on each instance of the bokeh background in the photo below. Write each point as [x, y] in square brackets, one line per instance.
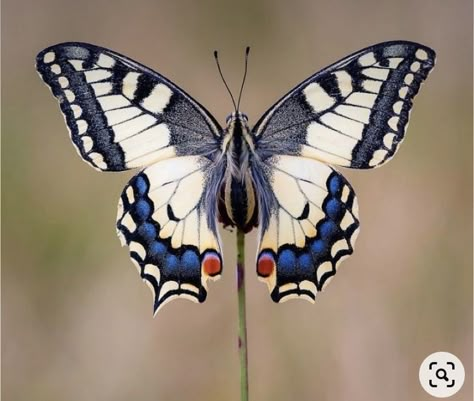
[77, 321]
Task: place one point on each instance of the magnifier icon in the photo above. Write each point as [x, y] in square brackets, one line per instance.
[442, 374]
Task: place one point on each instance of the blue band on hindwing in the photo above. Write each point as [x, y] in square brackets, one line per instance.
[295, 265]
[180, 266]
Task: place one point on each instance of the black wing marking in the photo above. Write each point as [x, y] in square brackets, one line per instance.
[353, 113]
[121, 114]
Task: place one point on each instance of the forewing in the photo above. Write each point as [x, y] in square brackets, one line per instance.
[121, 114]
[166, 216]
[312, 226]
[353, 113]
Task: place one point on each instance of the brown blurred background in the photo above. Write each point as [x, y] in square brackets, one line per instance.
[77, 321]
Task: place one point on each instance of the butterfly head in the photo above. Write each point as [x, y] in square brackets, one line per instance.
[236, 115]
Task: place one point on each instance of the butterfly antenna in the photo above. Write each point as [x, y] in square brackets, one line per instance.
[247, 51]
[223, 80]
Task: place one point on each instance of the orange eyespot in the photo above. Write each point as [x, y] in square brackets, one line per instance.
[211, 264]
[265, 265]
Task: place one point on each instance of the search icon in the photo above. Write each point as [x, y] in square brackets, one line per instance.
[442, 374]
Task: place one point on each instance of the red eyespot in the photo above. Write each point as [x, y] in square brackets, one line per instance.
[211, 264]
[265, 265]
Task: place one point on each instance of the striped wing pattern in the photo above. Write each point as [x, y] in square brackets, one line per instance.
[353, 113]
[313, 226]
[164, 218]
[120, 114]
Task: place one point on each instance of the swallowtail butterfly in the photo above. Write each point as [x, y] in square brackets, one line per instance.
[276, 176]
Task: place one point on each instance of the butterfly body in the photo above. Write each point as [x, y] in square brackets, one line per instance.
[278, 175]
[237, 203]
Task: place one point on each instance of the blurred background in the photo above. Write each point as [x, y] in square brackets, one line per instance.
[77, 321]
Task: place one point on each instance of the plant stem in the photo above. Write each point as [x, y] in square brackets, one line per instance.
[244, 377]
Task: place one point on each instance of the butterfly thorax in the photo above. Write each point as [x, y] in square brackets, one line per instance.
[237, 203]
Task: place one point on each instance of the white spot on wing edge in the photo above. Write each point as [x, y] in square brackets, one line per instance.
[345, 194]
[408, 79]
[354, 236]
[81, 126]
[138, 248]
[49, 57]
[415, 66]
[87, 143]
[347, 220]
[167, 287]
[397, 107]
[69, 95]
[121, 237]
[393, 123]
[287, 287]
[76, 110]
[130, 195]
[322, 269]
[378, 157]
[152, 270]
[403, 92]
[388, 140]
[421, 54]
[63, 82]
[56, 69]
[105, 61]
[338, 246]
[309, 286]
[98, 160]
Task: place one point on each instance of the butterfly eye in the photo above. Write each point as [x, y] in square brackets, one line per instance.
[228, 118]
[244, 116]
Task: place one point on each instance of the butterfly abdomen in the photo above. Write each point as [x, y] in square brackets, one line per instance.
[237, 204]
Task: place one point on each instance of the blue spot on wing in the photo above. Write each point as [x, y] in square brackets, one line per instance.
[148, 232]
[334, 184]
[305, 265]
[327, 229]
[334, 209]
[141, 186]
[157, 250]
[287, 263]
[318, 246]
[171, 266]
[190, 265]
[142, 210]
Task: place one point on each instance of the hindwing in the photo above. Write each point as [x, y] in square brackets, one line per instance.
[312, 226]
[166, 216]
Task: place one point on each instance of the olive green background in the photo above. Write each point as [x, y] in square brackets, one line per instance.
[77, 321]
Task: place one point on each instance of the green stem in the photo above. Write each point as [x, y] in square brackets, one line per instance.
[244, 377]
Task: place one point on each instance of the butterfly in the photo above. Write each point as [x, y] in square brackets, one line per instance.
[277, 176]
